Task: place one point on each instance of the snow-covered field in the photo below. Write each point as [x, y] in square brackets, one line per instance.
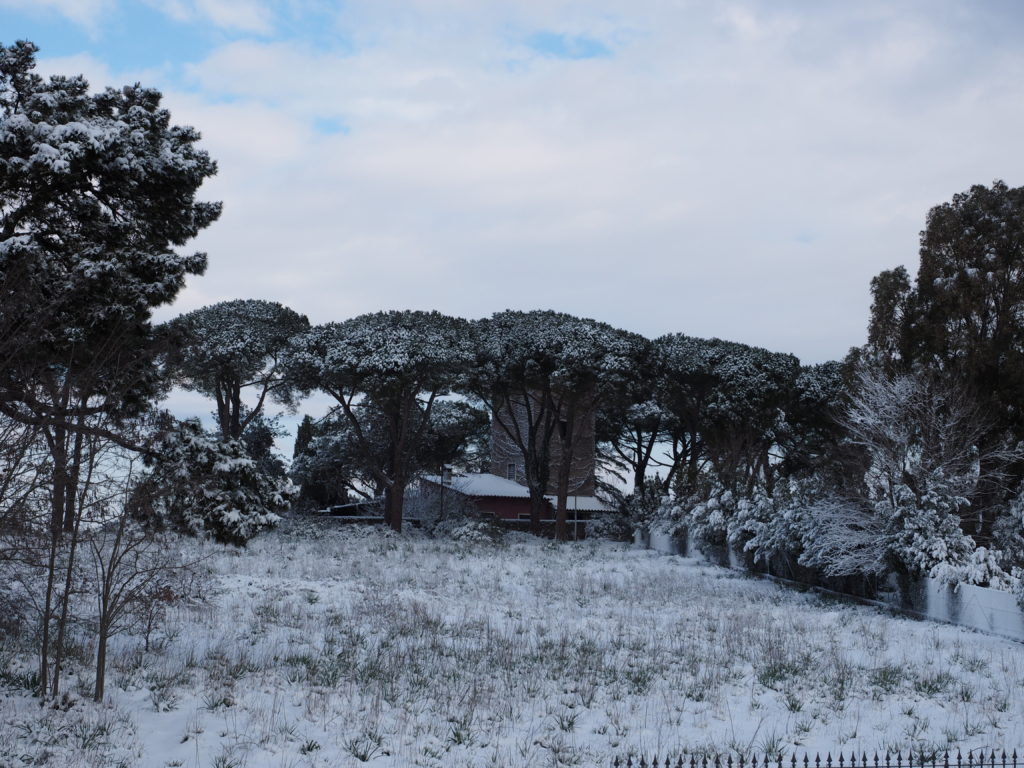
[350, 646]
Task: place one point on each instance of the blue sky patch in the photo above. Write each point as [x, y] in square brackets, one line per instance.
[330, 126]
[562, 46]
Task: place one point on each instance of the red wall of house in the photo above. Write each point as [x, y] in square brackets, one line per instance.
[505, 509]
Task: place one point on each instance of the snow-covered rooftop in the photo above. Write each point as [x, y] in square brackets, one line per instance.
[581, 503]
[486, 485]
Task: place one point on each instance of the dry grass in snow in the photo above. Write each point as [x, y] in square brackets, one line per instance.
[354, 647]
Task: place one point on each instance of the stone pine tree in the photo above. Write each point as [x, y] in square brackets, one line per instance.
[728, 399]
[631, 425]
[335, 464]
[96, 192]
[540, 373]
[230, 348]
[390, 366]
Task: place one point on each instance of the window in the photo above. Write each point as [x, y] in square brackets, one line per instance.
[510, 471]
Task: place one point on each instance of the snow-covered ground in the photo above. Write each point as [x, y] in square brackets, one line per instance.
[351, 646]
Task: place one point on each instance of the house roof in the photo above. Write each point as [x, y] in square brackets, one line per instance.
[581, 503]
[483, 484]
[486, 485]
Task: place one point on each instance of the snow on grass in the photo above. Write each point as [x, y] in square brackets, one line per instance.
[351, 646]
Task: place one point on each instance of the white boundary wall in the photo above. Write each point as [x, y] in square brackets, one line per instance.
[980, 608]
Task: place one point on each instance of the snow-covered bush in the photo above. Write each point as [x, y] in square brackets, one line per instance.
[470, 531]
[202, 485]
[1008, 533]
[613, 526]
[925, 527]
[923, 468]
[644, 507]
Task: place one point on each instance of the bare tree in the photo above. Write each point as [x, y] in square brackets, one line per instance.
[132, 568]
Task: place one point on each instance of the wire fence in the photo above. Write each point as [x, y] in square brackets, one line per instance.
[910, 760]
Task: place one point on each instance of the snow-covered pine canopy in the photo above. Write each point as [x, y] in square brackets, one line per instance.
[225, 348]
[96, 193]
[386, 365]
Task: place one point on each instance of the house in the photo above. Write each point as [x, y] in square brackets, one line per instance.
[509, 502]
[502, 492]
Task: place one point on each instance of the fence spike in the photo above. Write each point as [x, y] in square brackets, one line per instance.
[959, 758]
[945, 760]
[841, 763]
[828, 760]
[817, 760]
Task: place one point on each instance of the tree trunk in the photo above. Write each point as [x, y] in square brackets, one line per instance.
[44, 647]
[396, 501]
[387, 506]
[566, 445]
[101, 660]
[72, 521]
[561, 513]
[538, 505]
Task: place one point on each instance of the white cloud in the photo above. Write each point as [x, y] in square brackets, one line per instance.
[733, 170]
[254, 16]
[85, 13]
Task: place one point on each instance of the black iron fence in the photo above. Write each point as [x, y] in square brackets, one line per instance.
[899, 760]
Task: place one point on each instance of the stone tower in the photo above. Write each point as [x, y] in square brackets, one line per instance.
[507, 458]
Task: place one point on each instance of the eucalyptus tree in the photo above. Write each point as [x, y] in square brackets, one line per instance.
[962, 319]
[388, 365]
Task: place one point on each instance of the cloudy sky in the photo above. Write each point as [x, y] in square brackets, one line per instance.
[732, 169]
